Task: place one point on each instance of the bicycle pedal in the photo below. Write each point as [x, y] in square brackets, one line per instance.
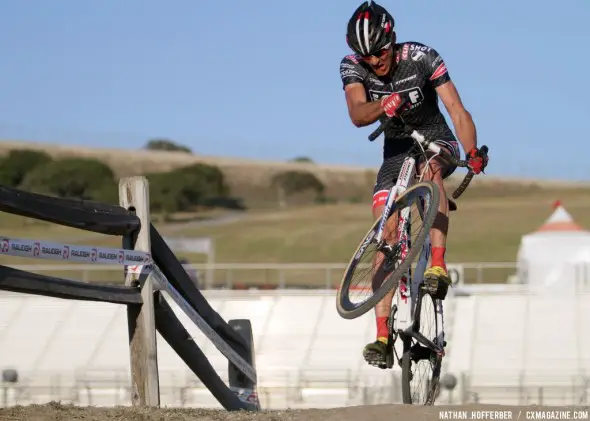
[436, 288]
[375, 360]
[380, 365]
[377, 363]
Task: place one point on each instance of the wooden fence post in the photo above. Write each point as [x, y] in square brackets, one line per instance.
[134, 196]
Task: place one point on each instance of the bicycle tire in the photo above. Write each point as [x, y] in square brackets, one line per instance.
[346, 309]
[407, 360]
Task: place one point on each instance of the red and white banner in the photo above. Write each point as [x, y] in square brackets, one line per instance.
[39, 249]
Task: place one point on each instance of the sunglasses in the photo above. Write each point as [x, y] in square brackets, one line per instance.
[379, 54]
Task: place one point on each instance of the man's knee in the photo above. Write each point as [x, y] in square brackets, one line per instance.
[433, 172]
[437, 168]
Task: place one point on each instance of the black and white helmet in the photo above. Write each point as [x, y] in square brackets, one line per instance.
[370, 29]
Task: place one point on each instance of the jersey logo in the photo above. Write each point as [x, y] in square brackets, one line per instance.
[377, 95]
[415, 47]
[376, 81]
[437, 60]
[405, 52]
[350, 73]
[413, 94]
[440, 70]
[353, 58]
[418, 55]
[407, 79]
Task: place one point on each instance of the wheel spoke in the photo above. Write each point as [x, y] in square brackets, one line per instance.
[421, 365]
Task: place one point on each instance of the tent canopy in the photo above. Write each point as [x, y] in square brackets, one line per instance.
[558, 252]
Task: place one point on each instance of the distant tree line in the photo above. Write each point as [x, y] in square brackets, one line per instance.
[182, 189]
[164, 144]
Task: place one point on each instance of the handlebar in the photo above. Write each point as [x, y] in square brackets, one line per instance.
[433, 147]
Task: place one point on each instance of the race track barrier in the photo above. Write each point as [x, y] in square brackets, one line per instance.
[150, 268]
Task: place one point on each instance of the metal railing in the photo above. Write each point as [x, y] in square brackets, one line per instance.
[272, 275]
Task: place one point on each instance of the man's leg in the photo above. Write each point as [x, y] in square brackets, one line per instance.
[375, 352]
[439, 231]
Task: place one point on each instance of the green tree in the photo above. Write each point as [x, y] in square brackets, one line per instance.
[187, 187]
[108, 192]
[166, 145]
[303, 159]
[165, 193]
[17, 163]
[290, 182]
[79, 178]
[209, 178]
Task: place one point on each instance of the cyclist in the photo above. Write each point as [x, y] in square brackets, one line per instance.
[404, 80]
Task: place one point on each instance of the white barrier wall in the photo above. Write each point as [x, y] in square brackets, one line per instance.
[306, 354]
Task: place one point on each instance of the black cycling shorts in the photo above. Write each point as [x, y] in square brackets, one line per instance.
[390, 168]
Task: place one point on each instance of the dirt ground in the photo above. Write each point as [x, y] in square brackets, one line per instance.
[56, 412]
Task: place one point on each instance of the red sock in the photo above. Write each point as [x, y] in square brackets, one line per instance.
[438, 257]
[382, 329]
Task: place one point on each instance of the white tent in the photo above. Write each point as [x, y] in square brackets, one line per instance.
[557, 254]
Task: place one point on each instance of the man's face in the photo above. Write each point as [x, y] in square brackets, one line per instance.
[381, 61]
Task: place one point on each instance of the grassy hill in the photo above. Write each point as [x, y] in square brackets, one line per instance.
[250, 179]
[493, 213]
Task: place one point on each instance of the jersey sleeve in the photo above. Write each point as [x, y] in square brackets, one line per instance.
[351, 71]
[435, 68]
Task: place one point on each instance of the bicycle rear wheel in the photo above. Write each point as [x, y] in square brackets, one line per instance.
[374, 278]
[420, 365]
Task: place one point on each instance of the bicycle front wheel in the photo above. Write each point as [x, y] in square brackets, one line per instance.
[363, 285]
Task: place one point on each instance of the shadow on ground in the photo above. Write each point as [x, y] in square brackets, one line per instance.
[56, 412]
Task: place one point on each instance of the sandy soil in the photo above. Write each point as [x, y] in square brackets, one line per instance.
[55, 412]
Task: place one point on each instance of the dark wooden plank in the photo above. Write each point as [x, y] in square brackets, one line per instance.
[16, 280]
[87, 215]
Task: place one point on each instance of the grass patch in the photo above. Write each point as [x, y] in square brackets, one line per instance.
[484, 229]
[487, 228]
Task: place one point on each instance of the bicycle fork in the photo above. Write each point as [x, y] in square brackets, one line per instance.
[402, 322]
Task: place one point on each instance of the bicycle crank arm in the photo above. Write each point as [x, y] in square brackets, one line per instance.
[421, 339]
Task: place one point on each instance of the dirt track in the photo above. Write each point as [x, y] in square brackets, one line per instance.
[55, 412]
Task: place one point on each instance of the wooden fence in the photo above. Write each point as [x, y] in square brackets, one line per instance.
[150, 269]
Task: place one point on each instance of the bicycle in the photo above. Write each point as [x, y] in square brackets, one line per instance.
[405, 320]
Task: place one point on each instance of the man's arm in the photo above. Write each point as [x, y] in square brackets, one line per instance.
[361, 112]
[434, 66]
[464, 126]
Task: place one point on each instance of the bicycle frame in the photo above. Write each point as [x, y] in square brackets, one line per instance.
[403, 310]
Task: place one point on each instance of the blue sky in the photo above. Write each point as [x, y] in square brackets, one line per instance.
[260, 79]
